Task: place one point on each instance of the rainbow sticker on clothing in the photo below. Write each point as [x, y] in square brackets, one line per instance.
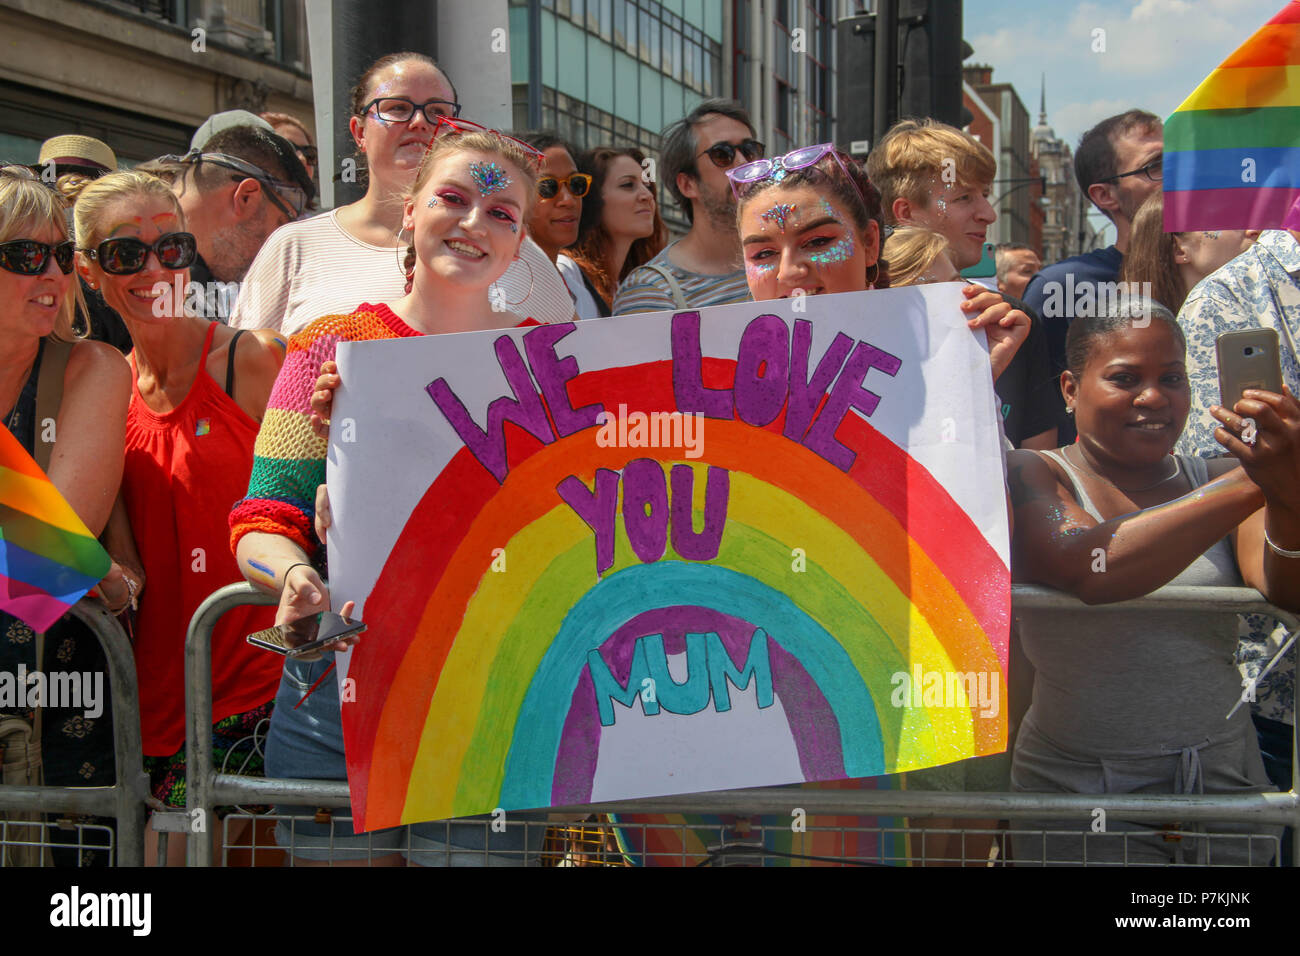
[48, 557]
[1232, 149]
[669, 554]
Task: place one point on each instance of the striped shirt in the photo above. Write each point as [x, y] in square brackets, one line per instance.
[646, 290]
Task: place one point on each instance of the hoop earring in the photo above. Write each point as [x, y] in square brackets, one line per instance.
[402, 249]
[873, 275]
[497, 291]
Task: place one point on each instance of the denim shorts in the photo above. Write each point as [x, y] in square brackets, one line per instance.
[307, 743]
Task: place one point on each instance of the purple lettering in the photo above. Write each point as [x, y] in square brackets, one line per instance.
[806, 393]
[645, 508]
[689, 389]
[848, 393]
[598, 509]
[690, 544]
[762, 370]
[525, 410]
[553, 374]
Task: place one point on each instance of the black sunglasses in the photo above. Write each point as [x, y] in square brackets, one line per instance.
[127, 255]
[724, 154]
[548, 187]
[27, 257]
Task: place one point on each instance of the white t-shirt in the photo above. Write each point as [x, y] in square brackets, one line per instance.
[314, 267]
[582, 297]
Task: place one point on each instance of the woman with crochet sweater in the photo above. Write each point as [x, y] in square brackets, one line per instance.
[466, 213]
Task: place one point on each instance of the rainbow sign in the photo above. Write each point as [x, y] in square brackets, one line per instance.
[48, 557]
[756, 544]
[1232, 149]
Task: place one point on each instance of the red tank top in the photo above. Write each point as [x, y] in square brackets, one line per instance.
[184, 471]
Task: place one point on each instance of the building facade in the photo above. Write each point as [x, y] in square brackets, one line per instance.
[1066, 230]
[142, 75]
[1001, 123]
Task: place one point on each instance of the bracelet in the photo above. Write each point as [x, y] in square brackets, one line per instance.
[303, 563]
[1281, 552]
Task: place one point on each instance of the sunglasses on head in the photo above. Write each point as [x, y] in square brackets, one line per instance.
[548, 187]
[27, 257]
[724, 154]
[127, 255]
[743, 178]
[457, 125]
[290, 198]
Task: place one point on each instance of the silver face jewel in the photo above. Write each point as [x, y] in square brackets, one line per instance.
[433, 201]
[489, 177]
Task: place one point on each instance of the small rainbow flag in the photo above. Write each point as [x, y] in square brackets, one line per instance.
[1232, 149]
[48, 557]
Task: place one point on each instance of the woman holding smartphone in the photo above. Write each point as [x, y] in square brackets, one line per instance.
[1138, 705]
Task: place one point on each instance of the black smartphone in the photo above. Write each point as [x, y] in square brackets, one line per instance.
[330, 627]
[1248, 358]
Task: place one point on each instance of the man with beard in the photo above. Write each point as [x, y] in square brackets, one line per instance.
[1118, 165]
[704, 267]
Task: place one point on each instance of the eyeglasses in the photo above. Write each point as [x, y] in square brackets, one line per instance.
[548, 187]
[27, 257]
[127, 255]
[469, 126]
[1153, 171]
[289, 198]
[724, 154]
[776, 169]
[399, 109]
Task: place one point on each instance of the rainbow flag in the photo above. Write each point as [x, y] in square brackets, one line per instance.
[1232, 149]
[48, 557]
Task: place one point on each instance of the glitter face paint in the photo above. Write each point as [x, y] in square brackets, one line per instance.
[759, 270]
[838, 251]
[433, 201]
[779, 214]
[1211, 235]
[489, 177]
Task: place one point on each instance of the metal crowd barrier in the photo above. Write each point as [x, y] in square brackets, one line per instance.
[125, 800]
[208, 789]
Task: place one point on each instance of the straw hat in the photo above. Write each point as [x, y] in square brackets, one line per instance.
[78, 154]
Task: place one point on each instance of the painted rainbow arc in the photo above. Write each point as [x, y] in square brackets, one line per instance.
[1232, 148]
[901, 565]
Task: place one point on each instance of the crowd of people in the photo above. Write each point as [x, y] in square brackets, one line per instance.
[199, 458]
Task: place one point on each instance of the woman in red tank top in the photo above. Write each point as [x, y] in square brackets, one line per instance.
[198, 398]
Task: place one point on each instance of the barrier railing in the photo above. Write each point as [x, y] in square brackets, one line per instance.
[125, 800]
[208, 789]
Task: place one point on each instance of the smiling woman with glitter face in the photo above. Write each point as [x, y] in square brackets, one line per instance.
[811, 223]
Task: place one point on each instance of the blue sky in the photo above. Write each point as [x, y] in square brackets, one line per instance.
[1157, 51]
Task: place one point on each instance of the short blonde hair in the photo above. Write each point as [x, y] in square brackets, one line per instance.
[915, 154]
[26, 205]
[912, 251]
[103, 192]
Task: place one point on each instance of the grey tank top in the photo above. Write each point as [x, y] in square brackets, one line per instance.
[1112, 682]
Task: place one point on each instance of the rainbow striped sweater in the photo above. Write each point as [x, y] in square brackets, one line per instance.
[288, 458]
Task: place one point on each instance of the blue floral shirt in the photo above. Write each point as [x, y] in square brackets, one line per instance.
[1259, 288]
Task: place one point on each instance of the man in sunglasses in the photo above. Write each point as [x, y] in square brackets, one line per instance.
[705, 267]
[1117, 165]
[239, 187]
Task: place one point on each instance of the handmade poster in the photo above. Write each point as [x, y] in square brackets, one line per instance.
[1231, 148]
[754, 544]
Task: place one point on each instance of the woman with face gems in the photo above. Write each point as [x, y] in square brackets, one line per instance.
[466, 214]
[47, 373]
[810, 223]
[1137, 704]
[200, 392]
[620, 227]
